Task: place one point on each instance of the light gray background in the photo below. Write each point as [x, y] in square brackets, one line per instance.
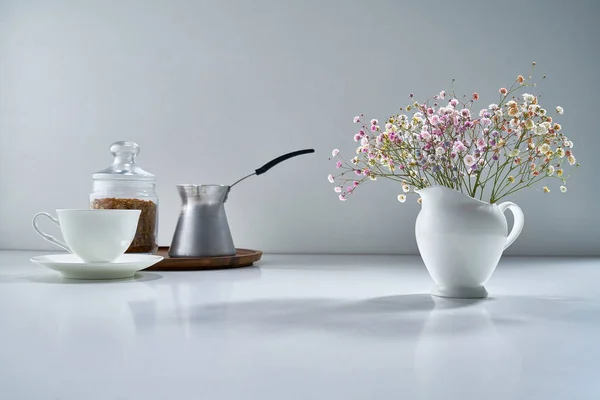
[213, 89]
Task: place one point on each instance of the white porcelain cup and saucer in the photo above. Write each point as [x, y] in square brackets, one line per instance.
[97, 241]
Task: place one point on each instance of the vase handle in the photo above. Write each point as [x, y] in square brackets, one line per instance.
[518, 223]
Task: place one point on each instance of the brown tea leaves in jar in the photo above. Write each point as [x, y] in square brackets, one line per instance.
[144, 240]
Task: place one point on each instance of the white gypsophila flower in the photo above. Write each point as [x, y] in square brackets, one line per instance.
[563, 189]
[544, 148]
[335, 152]
[540, 129]
[439, 151]
[550, 170]
[401, 198]
[330, 178]
[529, 124]
[560, 152]
[405, 188]
[528, 97]
[514, 153]
[572, 160]
[560, 111]
[493, 106]
[337, 189]
[498, 112]
[364, 141]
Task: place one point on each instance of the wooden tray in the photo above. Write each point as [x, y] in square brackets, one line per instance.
[243, 258]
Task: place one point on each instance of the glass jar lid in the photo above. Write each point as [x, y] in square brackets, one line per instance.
[123, 166]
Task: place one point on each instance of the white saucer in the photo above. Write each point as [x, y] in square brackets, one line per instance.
[71, 266]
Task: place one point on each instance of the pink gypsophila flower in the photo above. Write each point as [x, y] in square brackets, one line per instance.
[459, 146]
[469, 160]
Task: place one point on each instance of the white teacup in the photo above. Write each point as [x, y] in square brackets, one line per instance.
[93, 235]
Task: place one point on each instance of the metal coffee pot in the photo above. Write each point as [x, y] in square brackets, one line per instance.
[202, 229]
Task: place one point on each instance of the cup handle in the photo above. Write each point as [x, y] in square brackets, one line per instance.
[518, 223]
[49, 238]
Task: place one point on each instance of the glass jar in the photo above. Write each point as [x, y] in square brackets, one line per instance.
[124, 185]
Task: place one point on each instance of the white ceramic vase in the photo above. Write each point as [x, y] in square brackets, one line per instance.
[461, 240]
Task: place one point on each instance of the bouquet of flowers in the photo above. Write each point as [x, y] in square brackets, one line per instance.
[502, 148]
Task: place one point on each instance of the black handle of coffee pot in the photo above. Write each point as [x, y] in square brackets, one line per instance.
[271, 164]
[282, 158]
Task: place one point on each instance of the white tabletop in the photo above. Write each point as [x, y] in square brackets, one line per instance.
[301, 327]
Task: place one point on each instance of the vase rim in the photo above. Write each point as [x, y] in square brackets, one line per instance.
[455, 191]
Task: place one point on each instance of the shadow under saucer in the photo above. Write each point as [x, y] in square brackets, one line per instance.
[59, 279]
